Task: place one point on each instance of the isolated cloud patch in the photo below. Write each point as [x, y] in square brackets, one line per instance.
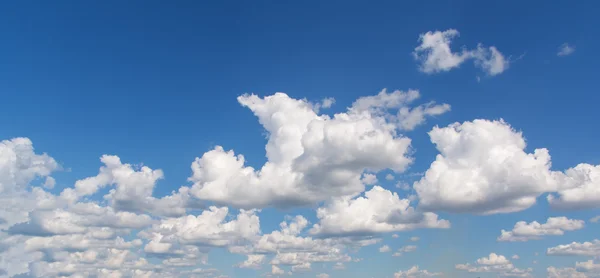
[554, 226]
[435, 54]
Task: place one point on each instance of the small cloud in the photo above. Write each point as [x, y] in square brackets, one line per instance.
[415, 238]
[395, 236]
[369, 179]
[595, 219]
[434, 54]
[405, 249]
[49, 183]
[340, 266]
[515, 257]
[389, 177]
[384, 249]
[565, 49]
[327, 102]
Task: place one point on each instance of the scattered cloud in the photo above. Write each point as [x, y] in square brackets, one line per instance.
[554, 226]
[495, 263]
[384, 249]
[576, 249]
[415, 272]
[565, 50]
[405, 249]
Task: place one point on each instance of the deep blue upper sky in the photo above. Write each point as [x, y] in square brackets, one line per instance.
[156, 81]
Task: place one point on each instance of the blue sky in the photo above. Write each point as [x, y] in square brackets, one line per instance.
[157, 84]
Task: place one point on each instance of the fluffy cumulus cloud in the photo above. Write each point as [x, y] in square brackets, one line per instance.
[112, 224]
[312, 157]
[435, 54]
[415, 272]
[554, 226]
[380, 210]
[483, 168]
[588, 248]
[582, 190]
[495, 263]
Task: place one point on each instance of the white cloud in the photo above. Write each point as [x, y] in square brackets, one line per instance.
[565, 49]
[369, 179]
[410, 118]
[49, 183]
[515, 257]
[415, 272]
[19, 165]
[339, 266]
[554, 226]
[406, 118]
[389, 177]
[378, 211]
[405, 249]
[395, 236]
[482, 168]
[111, 224]
[493, 259]
[581, 190]
[595, 219]
[327, 102]
[435, 55]
[384, 249]
[569, 272]
[576, 249]
[133, 189]
[490, 60]
[322, 275]
[310, 157]
[495, 263]
[588, 266]
[276, 270]
[210, 228]
[415, 238]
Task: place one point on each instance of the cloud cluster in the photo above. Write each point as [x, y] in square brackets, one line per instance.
[111, 224]
[495, 263]
[312, 157]
[415, 272]
[435, 55]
